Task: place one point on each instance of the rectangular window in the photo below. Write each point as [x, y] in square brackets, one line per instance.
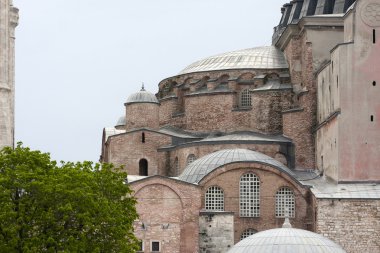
[141, 246]
[374, 36]
[155, 246]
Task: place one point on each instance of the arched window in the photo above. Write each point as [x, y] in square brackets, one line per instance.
[248, 232]
[143, 167]
[245, 98]
[176, 166]
[214, 199]
[191, 158]
[249, 195]
[285, 203]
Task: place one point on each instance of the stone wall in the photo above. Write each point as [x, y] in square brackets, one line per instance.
[168, 212]
[353, 224]
[8, 22]
[216, 232]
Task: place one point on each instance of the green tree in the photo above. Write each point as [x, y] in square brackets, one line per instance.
[71, 207]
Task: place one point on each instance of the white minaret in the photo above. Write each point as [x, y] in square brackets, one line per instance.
[8, 23]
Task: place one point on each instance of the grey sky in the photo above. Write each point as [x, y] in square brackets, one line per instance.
[78, 60]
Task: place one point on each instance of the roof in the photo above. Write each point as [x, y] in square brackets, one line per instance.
[326, 189]
[286, 240]
[121, 121]
[247, 137]
[273, 85]
[268, 57]
[142, 96]
[200, 168]
[110, 131]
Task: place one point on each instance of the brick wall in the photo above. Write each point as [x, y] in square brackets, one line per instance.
[228, 178]
[353, 224]
[128, 149]
[168, 212]
[142, 115]
[201, 150]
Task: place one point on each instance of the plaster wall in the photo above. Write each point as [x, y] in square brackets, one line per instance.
[216, 232]
[359, 98]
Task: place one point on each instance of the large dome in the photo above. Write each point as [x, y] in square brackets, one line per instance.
[268, 57]
[142, 96]
[286, 240]
[201, 167]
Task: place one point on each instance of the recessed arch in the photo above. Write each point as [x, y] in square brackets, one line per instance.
[143, 167]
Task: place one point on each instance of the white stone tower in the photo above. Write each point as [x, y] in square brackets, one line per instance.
[8, 23]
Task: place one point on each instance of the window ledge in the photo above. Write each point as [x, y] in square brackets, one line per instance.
[242, 108]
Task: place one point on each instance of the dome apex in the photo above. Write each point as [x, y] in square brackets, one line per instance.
[286, 240]
[268, 57]
[142, 96]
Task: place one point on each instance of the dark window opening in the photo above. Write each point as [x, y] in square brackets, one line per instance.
[155, 246]
[143, 137]
[374, 83]
[337, 81]
[374, 36]
[371, 118]
[143, 167]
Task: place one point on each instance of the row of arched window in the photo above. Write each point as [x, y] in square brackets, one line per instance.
[249, 198]
[190, 158]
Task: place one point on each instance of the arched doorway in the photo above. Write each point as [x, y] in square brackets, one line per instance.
[143, 167]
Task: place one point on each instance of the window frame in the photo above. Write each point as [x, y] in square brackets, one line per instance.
[248, 232]
[245, 99]
[249, 195]
[190, 159]
[283, 201]
[151, 245]
[217, 197]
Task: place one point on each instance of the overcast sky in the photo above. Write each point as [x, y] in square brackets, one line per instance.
[78, 60]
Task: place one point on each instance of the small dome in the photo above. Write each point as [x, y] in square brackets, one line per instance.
[200, 168]
[268, 57]
[286, 240]
[122, 121]
[142, 96]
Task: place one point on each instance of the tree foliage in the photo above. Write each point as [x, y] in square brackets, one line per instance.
[71, 207]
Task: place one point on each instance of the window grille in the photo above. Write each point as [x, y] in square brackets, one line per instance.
[191, 158]
[247, 233]
[214, 199]
[249, 195]
[155, 246]
[245, 98]
[285, 203]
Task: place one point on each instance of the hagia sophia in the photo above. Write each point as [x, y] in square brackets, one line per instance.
[236, 143]
[267, 149]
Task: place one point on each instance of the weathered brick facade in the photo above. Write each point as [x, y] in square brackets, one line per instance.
[291, 105]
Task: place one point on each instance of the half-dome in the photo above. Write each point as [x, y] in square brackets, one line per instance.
[286, 240]
[142, 96]
[268, 57]
[197, 170]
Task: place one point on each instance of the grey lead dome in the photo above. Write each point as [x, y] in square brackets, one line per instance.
[201, 167]
[142, 96]
[286, 240]
[268, 57]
